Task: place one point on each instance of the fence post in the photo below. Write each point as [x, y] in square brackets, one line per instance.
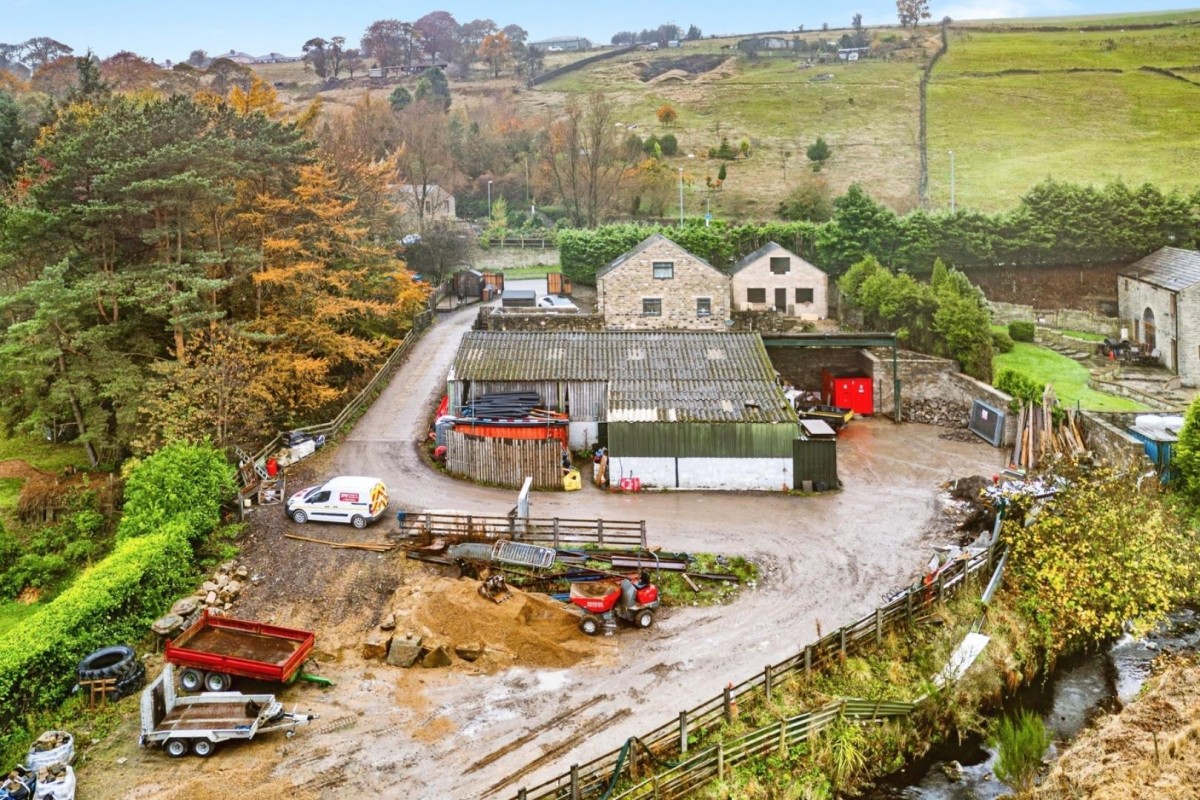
[878, 626]
[720, 761]
[767, 680]
[908, 605]
[783, 738]
[521, 794]
[600, 531]
[643, 534]
[842, 641]
[632, 760]
[807, 660]
[728, 703]
[941, 586]
[556, 533]
[683, 732]
[574, 782]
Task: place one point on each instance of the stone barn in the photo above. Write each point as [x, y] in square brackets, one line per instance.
[1158, 299]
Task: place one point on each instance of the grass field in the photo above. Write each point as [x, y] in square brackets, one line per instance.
[1009, 131]
[1069, 377]
[42, 454]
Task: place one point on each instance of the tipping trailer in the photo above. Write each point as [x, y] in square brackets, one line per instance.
[200, 722]
[214, 649]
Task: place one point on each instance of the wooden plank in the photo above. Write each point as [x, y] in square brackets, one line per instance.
[688, 580]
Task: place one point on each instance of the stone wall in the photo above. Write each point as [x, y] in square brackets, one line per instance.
[801, 366]
[532, 319]
[1107, 438]
[768, 322]
[510, 257]
[1069, 318]
[1138, 297]
[621, 291]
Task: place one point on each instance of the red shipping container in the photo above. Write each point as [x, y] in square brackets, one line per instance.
[855, 392]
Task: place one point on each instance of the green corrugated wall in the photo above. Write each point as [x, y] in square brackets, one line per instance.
[701, 439]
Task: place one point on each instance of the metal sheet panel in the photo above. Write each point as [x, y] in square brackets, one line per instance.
[814, 460]
[701, 439]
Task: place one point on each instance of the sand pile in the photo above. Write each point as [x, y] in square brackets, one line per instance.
[1118, 759]
[527, 629]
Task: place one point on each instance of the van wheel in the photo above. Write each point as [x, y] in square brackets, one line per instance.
[299, 517]
[176, 748]
[358, 521]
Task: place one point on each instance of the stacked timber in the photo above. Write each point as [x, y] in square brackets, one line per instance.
[1039, 437]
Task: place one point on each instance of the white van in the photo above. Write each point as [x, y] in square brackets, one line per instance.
[347, 498]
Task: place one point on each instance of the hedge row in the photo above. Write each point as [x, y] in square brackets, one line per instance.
[111, 602]
[181, 482]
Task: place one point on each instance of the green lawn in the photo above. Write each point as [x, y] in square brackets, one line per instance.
[1068, 377]
[521, 273]
[42, 454]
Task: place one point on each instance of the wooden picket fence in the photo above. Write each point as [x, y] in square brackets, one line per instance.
[505, 462]
[670, 740]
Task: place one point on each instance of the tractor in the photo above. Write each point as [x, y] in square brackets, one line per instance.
[604, 603]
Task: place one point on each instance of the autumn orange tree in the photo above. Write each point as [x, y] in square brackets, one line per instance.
[496, 50]
[666, 115]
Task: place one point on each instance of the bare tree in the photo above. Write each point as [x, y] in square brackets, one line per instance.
[424, 156]
[911, 12]
[583, 159]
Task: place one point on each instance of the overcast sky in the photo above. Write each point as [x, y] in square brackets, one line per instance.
[161, 30]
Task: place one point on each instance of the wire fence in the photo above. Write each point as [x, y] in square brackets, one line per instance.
[670, 740]
[420, 323]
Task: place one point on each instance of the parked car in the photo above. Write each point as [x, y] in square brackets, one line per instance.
[346, 498]
[557, 302]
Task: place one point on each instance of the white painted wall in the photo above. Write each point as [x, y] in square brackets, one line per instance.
[771, 474]
[582, 434]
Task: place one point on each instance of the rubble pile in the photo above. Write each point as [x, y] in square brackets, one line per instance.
[935, 411]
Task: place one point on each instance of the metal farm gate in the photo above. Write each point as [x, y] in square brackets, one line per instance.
[505, 462]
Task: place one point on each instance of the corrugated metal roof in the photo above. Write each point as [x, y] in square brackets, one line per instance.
[698, 401]
[1169, 268]
[668, 356]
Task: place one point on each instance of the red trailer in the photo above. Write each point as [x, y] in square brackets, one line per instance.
[214, 649]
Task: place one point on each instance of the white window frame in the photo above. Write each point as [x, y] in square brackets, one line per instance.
[646, 313]
[704, 313]
[668, 265]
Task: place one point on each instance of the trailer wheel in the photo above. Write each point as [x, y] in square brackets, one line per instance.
[645, 618]
[203, 748]
[358, 521]
[299, 517]
[176, 748]
[217, 682]
[191, 680]
[589, 625]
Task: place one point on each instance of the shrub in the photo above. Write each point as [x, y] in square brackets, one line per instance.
[669, 144]
[114, 601]
[1002, 342]
[1021, 331]
[181, 481]
[1021, 740]
[1019, 386]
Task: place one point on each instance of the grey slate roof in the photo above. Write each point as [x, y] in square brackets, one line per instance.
[1169, 268]
[641, 246]
[652, 375]
[752, 257]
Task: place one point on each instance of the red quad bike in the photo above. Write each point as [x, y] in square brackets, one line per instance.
[605, 603]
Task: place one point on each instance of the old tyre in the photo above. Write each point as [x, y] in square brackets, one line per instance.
[176, 748]
[107, 662]
[645, 618]
[299, 517]
[589, 625]
[217, 682]
[358, 521]
[203, 748]
[190, 680]
[130, 684]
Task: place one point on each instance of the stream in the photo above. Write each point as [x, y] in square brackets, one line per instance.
[1079, 689]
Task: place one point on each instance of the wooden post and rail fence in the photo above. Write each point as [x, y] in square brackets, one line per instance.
[555, 532]
[669, 741]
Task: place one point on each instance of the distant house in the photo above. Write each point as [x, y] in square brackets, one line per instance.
[658, 285]
[773, 277]
[1158, 299]
[562, 43]
[438, 203]
[276, 58]
[764, 43]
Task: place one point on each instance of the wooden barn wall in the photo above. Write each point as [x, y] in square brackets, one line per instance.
[505, 462]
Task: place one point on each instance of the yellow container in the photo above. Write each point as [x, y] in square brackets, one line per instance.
[572, 481]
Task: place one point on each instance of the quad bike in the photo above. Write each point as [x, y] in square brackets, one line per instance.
[605, 603]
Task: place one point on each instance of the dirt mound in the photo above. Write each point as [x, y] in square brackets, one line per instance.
[527, 629]
[23, 470]
[1150, 750]
[672, 76]
[686, 65]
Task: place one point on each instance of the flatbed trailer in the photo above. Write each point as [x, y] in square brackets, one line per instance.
[214, 649]
[198, 723]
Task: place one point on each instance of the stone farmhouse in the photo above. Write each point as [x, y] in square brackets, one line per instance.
[773, 277]
[658, 285]
[1158, 300]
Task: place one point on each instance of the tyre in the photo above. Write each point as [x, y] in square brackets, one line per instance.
[358, 521]
[190, 680]
[589, 625]
[176, 748]
[644, 618]
[299, 517]
[203, 748]
[130, 684]
[107, 662]
[217, 682]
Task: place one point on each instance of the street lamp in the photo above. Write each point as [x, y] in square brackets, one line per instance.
[489, 199]
[951, 181]
[681, 197]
